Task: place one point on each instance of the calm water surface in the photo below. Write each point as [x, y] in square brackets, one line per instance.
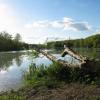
[14, 64]
[12, 68]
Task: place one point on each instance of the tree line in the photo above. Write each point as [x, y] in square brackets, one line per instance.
[89, 42]
[9, 43]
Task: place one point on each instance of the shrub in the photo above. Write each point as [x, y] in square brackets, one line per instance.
[55, 74]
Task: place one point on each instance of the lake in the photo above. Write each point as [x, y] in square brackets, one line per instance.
[14, 64]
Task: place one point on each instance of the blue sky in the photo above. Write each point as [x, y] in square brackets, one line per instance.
[37, 20]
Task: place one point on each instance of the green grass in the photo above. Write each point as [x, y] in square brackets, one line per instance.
[43, 75]
[55, 74]
[11, 97]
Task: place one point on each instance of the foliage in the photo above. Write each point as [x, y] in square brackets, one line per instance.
[90, 42]
[17, 38]
[35, 53]
[55, 74]
[7, 43]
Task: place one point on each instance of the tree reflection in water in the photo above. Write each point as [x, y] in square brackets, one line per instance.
[7, 59]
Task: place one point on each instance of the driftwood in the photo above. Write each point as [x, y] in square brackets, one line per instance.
[74, 54]
[84, 62]
[54, 59]
[88, 65]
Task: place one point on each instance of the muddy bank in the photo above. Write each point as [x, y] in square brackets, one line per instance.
[73, 91]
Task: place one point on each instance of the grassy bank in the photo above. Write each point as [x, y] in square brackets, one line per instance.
[52, 81]
[56, 73]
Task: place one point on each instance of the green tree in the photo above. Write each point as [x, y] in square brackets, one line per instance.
[17, 37]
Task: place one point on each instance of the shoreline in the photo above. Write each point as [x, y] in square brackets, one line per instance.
[72, 91]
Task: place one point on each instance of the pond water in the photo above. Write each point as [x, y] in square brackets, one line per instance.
[14, 64]
[12, 68]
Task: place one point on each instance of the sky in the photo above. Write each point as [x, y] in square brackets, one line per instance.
[41, 20]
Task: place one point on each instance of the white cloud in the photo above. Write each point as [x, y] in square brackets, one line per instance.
[97, 31]
[56, 24]
[38, 24]
[78, 26]
[67, 20]
[41, 24]
[65, 23]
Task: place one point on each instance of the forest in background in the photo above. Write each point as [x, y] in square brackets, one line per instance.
[9, 43]
[89, 42]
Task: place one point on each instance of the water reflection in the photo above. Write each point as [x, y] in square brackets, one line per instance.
[13, 66]
[7, 59]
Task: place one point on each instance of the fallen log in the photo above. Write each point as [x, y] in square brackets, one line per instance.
[74, 54]
[84, 62]
[54, 59]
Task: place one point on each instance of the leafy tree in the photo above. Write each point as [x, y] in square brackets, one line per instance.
[17, 37]
[9, 44]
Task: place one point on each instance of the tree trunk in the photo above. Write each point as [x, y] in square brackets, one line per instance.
[74, 54]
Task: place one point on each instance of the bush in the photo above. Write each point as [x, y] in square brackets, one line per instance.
[55, 74]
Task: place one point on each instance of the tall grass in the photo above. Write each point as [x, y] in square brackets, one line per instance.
[55, 74]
